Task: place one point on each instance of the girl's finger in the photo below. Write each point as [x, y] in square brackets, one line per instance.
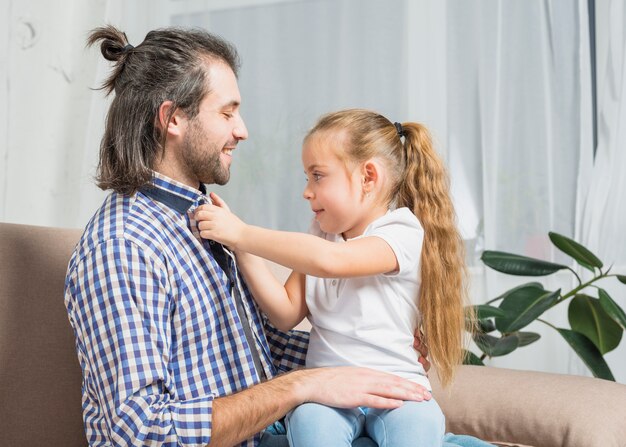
[217, 200]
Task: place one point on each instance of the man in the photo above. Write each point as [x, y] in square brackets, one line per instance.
[172, 346]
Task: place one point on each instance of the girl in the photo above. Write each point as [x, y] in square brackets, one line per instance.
[383, 260]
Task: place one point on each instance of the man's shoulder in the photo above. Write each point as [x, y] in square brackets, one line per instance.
[123, 219]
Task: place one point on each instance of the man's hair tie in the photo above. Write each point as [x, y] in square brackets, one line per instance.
[399, 129]
[127, 48]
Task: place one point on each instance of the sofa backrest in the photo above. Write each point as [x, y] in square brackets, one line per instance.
[40, 378]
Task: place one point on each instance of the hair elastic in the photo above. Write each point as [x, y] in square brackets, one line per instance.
[127, 48]
[399, 129]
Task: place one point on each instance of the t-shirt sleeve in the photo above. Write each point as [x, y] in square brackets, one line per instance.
[404, 234]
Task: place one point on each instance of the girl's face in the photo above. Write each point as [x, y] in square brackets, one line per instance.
[334, 189]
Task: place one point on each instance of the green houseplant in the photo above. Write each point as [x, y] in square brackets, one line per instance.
[596, 321]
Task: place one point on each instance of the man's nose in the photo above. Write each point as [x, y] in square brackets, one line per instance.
[240, 131]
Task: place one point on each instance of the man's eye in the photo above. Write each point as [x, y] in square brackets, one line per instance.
[317, 177]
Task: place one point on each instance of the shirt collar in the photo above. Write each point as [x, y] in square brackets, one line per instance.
[173, 194]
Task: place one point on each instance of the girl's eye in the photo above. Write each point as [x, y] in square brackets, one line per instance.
[314, 177]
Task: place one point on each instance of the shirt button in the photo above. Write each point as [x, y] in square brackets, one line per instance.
[334, 282]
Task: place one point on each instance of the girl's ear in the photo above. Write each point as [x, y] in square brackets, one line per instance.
[371, 176]
[177, 119]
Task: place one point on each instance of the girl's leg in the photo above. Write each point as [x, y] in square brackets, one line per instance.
[318, 425]
[413, 424]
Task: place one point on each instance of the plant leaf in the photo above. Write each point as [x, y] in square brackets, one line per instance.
[612, 308]
[587, 266]
[518, 265]
[536, 285]
[486, 326]
[588, 353]
[587, 317]
[622, 278]
[523, 307]
[572, 248]
[483, 311]
[494, 346]
[469, 358]
[526, 338]
[480, 326]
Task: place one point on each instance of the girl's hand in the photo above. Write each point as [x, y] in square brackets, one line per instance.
[218, 201]
[217, 223]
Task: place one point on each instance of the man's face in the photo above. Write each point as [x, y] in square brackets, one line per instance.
[213, 134]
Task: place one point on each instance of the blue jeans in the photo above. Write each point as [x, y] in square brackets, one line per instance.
[275, 436]
[414, 423]
[271, 439]
[449, 440]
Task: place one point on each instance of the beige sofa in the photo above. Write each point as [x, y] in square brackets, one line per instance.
[40, 400]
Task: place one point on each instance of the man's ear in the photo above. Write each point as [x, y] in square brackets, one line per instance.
[173, 120]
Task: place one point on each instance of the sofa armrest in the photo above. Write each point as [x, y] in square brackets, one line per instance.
[40, 377]
[534, 408]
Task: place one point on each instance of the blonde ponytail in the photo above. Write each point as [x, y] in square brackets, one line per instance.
[425, 190]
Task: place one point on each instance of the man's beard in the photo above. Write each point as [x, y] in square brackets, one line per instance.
[203, 158]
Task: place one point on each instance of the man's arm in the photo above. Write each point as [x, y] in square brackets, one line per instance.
[239, 416]
[118, 304]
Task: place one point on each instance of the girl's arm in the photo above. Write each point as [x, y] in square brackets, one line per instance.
[303, 253]
[284, 305]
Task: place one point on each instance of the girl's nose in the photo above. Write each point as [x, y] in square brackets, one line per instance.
[307, 193]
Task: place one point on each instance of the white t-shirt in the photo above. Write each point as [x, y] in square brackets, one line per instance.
[370, 320]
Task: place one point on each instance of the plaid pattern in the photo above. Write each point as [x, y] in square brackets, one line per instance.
[157, 331]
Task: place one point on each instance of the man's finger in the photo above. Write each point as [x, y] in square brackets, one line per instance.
[374, 401]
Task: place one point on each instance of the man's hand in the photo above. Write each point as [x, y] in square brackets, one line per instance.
[421, 348]
[238, 416]
[217, 223]
[350, 387]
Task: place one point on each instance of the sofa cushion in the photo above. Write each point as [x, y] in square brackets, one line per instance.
[534, 408]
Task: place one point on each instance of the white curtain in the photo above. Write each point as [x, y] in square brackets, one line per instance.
[517, 97]
[517, 85]
[603, 212]
[604, 208]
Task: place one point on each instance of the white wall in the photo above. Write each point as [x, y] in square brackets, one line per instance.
[45, 100]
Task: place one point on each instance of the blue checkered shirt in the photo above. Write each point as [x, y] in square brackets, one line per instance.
[157, 330]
